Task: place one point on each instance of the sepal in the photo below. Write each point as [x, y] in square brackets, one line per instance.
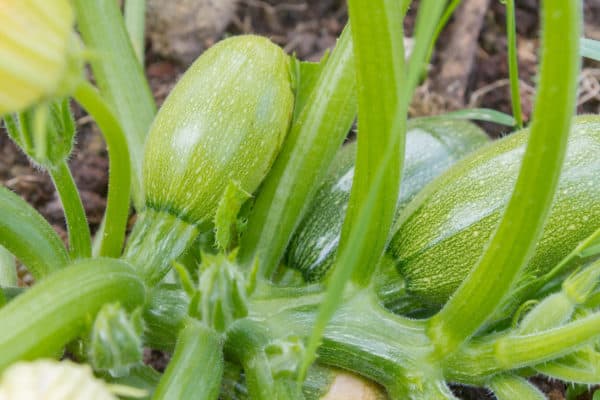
[45, 132]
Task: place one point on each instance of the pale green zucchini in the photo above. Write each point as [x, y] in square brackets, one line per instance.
[444, 231]
[432, 145]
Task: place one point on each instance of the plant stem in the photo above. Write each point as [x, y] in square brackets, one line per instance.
[157, 239]
[117, 202]
[245, 343]
[8, 268]
[196, 368]
[80, 242]
[135, 14]
[56, 310]
[510, 248]
[313, 140]
[518, 351]
[27, 235]
[120, 77]
[428, 18]
[377, 37]
[477, 361]
[509, 387]
[513, 64]
[440, 27]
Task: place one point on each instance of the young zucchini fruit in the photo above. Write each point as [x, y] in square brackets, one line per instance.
[432, 145]
[222, 124]
[444, 231]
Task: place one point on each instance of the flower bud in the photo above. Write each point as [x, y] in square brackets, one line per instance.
[40, 55]
[116, 340]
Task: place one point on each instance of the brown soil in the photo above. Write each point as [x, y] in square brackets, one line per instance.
[308, 28]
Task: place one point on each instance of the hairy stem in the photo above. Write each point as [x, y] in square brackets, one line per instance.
[80, 242]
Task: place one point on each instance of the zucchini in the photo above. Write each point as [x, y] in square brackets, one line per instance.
[444, 231]
[432, 145]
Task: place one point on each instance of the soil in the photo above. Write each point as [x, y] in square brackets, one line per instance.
[308, 28]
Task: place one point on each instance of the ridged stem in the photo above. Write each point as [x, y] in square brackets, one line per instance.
[120, 77]
[509, 387]
[80, 242]
[117, 201]
[40, 321]
[246, 341]
[27, 235]
[8, 268]
[135, 14]
[196, 368]
[490, 281]
[513, 64]
[157, 239]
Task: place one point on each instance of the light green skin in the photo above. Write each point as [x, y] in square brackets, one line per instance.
[444, 231]
[224, 120]
[432, 145]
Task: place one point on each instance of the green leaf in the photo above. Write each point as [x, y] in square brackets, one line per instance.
[227, 212]
[590, 48]
[480, 114]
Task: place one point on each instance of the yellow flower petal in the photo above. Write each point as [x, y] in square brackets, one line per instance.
[36, 51]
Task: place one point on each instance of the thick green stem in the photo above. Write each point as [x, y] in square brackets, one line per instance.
[80, 242]
[27, 235]
[157, 239]
[519, 351]
[135, 14]
[377, 36]
[474, 363]
[117, 202]
[513, 64]
[488, 284]
[246, 343]
[509, 387]
[120, 77]
[39, 322]
[313, 140]
[196, 368]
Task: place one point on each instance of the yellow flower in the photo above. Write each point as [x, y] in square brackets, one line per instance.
[40, 56]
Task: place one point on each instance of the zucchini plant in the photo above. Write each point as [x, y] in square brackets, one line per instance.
[417, 269]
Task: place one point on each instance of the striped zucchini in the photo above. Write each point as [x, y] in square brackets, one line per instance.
[432, 145]
[445, 230]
